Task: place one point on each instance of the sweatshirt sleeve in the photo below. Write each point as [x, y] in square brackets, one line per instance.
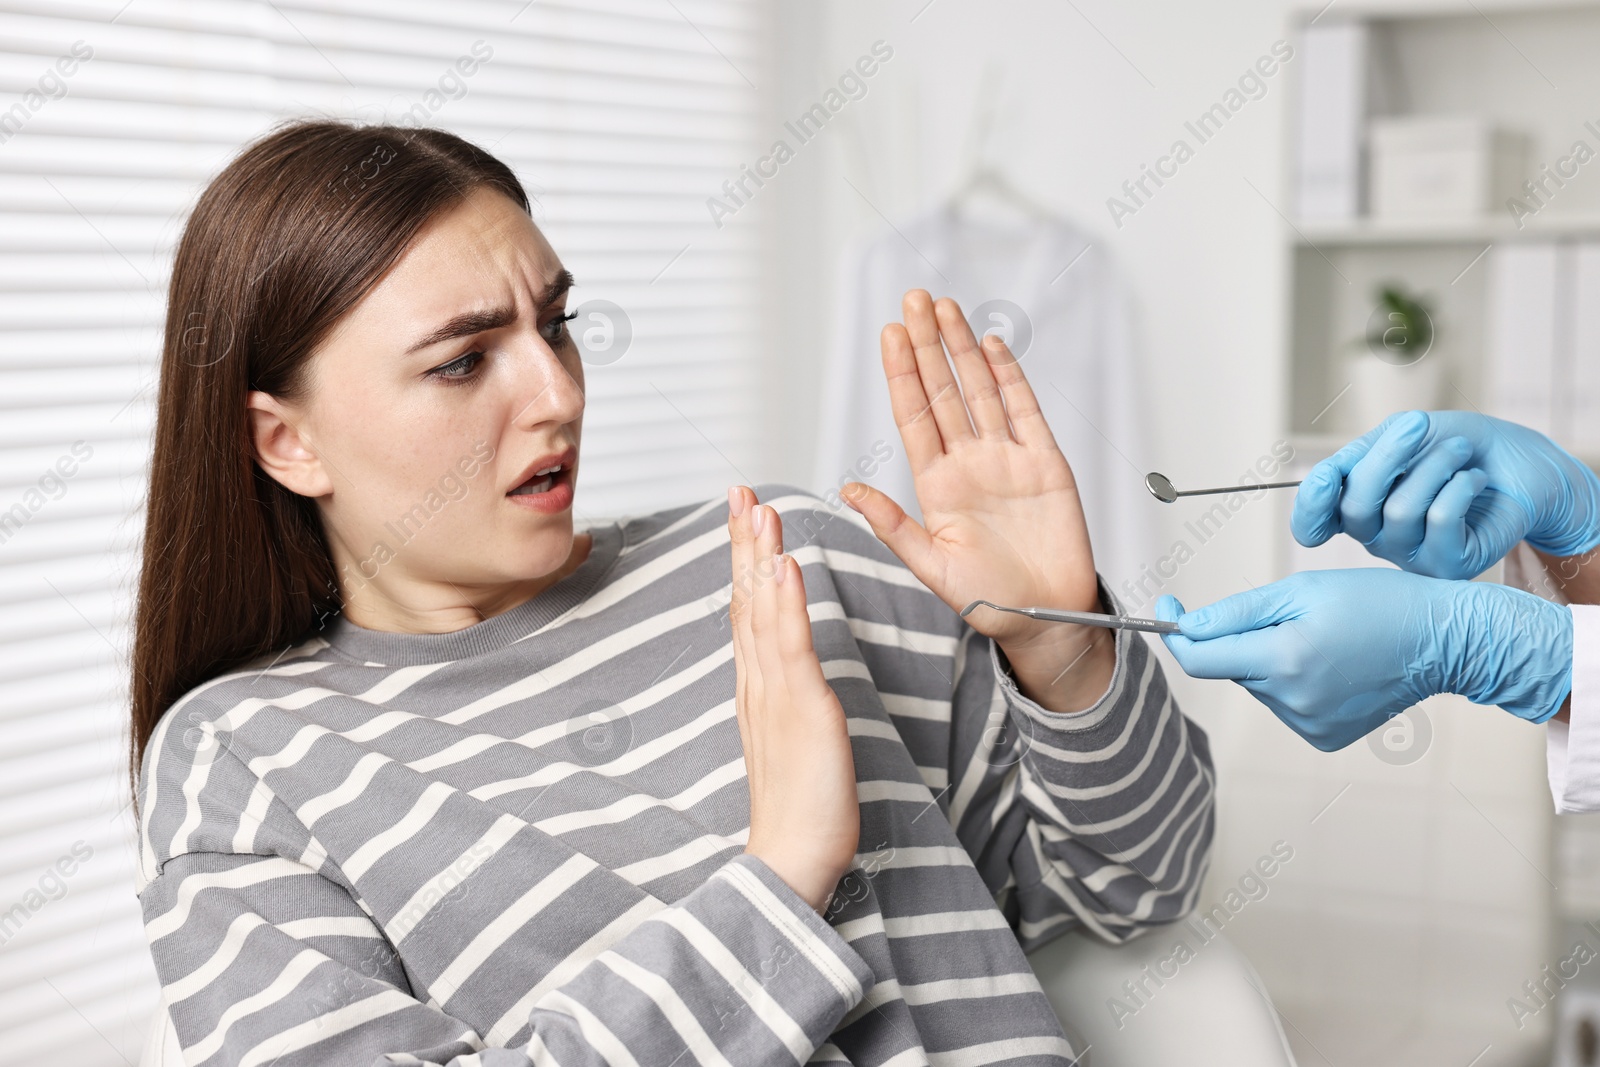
[264, 961]
[1101, 818]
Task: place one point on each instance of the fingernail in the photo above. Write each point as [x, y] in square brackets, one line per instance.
[758, 517]
[780, 563]
[735, 501]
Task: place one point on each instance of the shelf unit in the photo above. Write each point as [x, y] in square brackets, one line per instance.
[1527, 66]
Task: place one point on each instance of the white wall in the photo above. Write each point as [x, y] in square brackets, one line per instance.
[1076, 120]
[1348, 937]
[1204, 256]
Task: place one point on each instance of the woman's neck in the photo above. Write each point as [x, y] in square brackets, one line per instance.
[401, 606]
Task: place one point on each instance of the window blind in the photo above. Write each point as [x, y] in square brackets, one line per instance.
[621, 117]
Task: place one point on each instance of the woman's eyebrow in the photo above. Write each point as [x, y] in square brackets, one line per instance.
[471, 322]
[467, 324]
[557, 288]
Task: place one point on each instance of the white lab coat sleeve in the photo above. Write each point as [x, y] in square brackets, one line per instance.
[1572, 749]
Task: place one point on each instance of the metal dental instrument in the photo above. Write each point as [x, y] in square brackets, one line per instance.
[1083, 618]
[1162, 489]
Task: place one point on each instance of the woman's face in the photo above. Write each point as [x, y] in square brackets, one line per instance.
[430, 413]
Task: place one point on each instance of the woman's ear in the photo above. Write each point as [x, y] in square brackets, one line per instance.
[282, 450]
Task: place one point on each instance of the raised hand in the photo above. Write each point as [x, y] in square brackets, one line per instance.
[804, 816]
[1003, 520]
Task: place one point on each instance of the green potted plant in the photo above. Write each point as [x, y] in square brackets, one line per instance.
[1395, 367]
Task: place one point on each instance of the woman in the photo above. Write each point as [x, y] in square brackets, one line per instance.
[425, 777]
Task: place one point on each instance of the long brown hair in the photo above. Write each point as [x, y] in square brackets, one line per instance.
[280, 246]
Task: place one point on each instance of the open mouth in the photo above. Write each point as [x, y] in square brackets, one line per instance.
[542, 481]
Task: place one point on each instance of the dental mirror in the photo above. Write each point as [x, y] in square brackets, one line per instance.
[1162, 489]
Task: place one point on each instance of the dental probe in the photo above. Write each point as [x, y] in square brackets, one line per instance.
[1083, 618]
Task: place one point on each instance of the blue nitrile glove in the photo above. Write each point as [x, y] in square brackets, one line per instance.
[1335, 654]
[1448, 493]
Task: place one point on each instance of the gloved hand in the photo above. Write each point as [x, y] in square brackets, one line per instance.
[1448, 493]
[1335, 654]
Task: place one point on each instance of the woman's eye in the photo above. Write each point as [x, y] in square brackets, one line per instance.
[555, 331]
[458, 370]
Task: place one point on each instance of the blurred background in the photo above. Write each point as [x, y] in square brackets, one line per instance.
[1223, 237]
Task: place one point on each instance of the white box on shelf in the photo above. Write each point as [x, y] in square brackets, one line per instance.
[1582, 424]
[1432, 166]
[1332, 110]
[1526, 327]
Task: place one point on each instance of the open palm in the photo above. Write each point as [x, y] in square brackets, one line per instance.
[1003, 519]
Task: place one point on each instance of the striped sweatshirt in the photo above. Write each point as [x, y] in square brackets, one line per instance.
[522, 842]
